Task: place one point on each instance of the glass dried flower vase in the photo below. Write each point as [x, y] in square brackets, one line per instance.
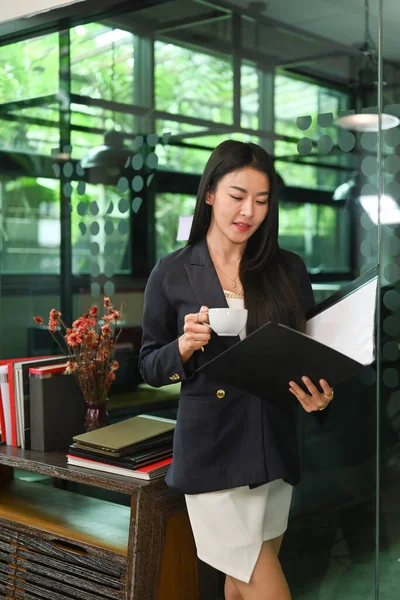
[96, 415]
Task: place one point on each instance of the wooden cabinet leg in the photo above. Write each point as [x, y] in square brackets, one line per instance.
[162, 560]
[145, 545]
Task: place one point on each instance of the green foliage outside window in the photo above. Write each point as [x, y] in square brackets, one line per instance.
[193, 84]
[188, 83]
[29, 69]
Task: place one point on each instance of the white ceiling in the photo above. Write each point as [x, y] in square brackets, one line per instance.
[24, 8]
[320, 38]
[339, 20]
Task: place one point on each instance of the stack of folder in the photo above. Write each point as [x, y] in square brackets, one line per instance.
[139, 447]
[15, 397]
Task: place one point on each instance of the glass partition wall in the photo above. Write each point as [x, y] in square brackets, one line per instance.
[105, 129]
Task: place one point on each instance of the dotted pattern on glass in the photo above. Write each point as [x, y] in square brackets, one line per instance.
[304, 123]
[391, 300]
[390, 377]
[109, 270]
[368, 376]
[369, 141]
[325, 144]
[102, 214]
[346, 142]
[304, 147]
[391, 351]
[136, 204]
[391, 252]
[325, 119]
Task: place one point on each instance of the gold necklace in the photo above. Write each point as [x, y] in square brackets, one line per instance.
[238, 295]
[233, 281]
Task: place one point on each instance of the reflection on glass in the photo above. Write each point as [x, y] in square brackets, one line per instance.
[389, 213]
[169, 208]
[316, 232]
[99, 231]
[30, 220]
[295, 98]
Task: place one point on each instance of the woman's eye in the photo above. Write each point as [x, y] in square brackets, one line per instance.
[236, 197]
[261, 202]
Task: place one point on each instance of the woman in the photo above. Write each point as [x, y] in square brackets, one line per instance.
[235, 454]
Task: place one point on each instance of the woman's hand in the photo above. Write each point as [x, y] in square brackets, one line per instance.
[315, 400]
[196, 334]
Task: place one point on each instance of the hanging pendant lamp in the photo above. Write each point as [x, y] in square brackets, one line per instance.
[366, 79]
[105, 162]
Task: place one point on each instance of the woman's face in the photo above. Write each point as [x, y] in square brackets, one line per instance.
[239, 204]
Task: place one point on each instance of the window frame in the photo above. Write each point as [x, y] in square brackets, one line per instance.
[63, 19]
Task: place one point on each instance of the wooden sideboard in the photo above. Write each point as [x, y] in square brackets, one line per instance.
[61, 544]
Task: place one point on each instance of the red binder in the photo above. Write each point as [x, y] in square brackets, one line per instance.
[10, 371]
[2, 422]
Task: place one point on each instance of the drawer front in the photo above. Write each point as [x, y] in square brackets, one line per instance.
[8, 545]
[48, 587]
[51, 568]
[73, 554]
[8, 540]
[25, 590]
[59, 580]
[66, 571]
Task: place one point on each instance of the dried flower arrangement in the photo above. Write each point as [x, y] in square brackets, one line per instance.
[89, 346]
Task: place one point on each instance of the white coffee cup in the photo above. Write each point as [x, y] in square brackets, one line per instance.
[227, 321]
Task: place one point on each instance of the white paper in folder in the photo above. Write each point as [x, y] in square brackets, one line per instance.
[349, 325]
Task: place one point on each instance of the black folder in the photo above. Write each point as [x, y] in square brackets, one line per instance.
[132, 461]
[266, 360]
[270, 357]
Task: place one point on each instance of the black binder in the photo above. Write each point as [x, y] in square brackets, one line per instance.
[273, 355]
[267, 359]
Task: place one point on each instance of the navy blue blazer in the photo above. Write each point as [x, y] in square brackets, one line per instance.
[219, 443]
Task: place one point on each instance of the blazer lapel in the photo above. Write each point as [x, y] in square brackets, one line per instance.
[206, 285]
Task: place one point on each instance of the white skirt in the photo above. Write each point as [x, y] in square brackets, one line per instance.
[229, 526]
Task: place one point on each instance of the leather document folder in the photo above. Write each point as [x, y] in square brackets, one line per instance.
[153, 443]
[342, 332]
[124, 435]
[270, 357]
[132, 461]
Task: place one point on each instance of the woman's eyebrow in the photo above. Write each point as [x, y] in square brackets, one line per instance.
[244, 191]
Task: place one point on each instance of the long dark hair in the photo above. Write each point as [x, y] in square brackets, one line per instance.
[275, 295]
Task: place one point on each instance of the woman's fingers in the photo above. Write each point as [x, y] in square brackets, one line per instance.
[326, 388]
[301, 396]
[198, 318]
[196, 328]
[314, 399]
[197, 331]
[201, 337]
[310, 386]
[203, 314]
